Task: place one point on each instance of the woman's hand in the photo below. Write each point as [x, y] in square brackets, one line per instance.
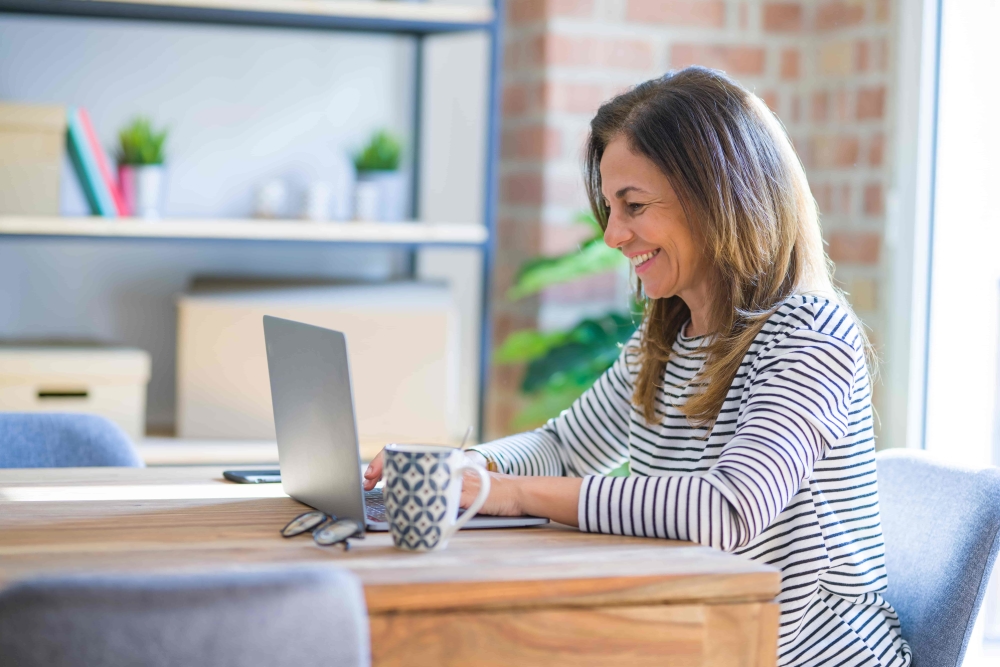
[374, 472]
[504, 498]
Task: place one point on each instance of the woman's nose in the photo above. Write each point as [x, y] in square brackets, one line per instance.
[616, 234]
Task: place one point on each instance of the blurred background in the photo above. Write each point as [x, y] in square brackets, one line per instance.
[410, 174]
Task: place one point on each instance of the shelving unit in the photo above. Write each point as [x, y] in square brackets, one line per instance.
[416, 19]
[371, 16]
[397, 233]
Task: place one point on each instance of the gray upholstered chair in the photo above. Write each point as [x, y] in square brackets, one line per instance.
[299, 617]
[63, 440]
[942, 532]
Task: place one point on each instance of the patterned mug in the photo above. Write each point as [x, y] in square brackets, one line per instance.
[423, 486]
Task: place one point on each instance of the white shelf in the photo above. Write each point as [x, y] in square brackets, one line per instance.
[371, 15]
[403, 233]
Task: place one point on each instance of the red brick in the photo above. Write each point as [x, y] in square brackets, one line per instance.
[820, 106]
[782, 17]
[862, 56]
[529, 11]
[874, 202]
[837, 14]
[835, 151]
[575, 51]
[871, 103]
[531, 141]
[876, 150]
[515, 99]
[522, 189]
[882, 11]
[518, 239]
[770, 98]
[854, 247]
[739, 60]
[744, 16]
[791, 63]
[697, 13]
[582, 98]
[824, 197]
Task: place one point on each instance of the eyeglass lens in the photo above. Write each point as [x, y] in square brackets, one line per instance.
[326, 530]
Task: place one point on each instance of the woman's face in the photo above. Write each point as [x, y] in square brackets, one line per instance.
[648, 224]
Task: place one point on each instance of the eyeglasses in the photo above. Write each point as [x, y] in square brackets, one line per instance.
[326, 529]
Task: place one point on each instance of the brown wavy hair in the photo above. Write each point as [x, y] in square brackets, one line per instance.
[747, 200]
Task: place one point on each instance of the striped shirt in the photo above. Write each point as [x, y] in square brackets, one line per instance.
[785, 475]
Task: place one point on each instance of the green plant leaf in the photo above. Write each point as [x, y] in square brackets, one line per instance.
[525, 345]
[593, 258]
[140, 144]
[382, 153]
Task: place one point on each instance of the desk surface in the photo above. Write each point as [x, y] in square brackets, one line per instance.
[60, 520]
[547, 596]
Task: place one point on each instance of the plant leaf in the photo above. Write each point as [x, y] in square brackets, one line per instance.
[525, 345]
[593, 258]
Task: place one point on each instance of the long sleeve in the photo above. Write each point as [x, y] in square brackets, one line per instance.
[589, 437]
[797, 404]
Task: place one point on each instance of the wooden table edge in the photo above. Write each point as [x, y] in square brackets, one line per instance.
[742, 588]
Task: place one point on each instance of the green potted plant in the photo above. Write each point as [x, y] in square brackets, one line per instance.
[561, 365]
[380, 192]
[141, 167]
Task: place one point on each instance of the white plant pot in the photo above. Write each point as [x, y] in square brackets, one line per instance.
[382, 193]
[142, 188]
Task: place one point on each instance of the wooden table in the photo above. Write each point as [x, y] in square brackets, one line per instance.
[534, 596]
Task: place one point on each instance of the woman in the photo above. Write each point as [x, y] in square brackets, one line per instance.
[742, 405]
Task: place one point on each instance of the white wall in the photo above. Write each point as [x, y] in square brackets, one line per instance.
[964, 336]
[965, 283]
[243, 104]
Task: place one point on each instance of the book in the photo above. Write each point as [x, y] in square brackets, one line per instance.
[85, 163]
[103, 164]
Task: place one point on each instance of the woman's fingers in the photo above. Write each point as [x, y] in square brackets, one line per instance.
[374, 472]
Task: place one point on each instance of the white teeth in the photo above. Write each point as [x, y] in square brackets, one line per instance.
[639, 259]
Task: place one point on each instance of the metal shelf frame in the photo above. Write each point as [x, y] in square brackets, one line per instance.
[413, 19]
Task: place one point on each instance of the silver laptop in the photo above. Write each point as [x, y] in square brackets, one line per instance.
[317, 432]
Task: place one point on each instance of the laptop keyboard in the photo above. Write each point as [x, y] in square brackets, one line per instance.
[374, 508]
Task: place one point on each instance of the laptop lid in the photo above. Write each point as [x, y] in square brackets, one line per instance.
[314, 417]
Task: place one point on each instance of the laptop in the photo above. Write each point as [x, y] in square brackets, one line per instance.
[318, 454]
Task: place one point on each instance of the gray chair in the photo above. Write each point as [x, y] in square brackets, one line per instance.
[63, 440]
[942, 533]
[299, 617]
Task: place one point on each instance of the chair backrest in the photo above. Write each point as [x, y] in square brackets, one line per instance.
[63, 440]
[942, 532]
[301, 617]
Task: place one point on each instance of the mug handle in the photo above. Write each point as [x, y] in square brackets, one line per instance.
[484, 491]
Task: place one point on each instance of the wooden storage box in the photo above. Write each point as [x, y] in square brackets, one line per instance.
[32, 139]
[402, 340]
[106, 381]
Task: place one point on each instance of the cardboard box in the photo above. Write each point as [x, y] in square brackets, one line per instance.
[106, 381]
[402, 340]
[32, 140]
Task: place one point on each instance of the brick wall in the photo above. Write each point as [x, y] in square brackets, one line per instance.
[821, 65]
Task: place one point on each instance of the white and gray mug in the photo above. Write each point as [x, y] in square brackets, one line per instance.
[423, 486]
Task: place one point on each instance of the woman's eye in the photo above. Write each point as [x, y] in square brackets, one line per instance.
[634, 208]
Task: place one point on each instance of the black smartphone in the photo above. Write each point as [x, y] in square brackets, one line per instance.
[253, 476]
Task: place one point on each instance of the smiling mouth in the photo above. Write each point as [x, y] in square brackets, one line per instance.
[639, 260]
